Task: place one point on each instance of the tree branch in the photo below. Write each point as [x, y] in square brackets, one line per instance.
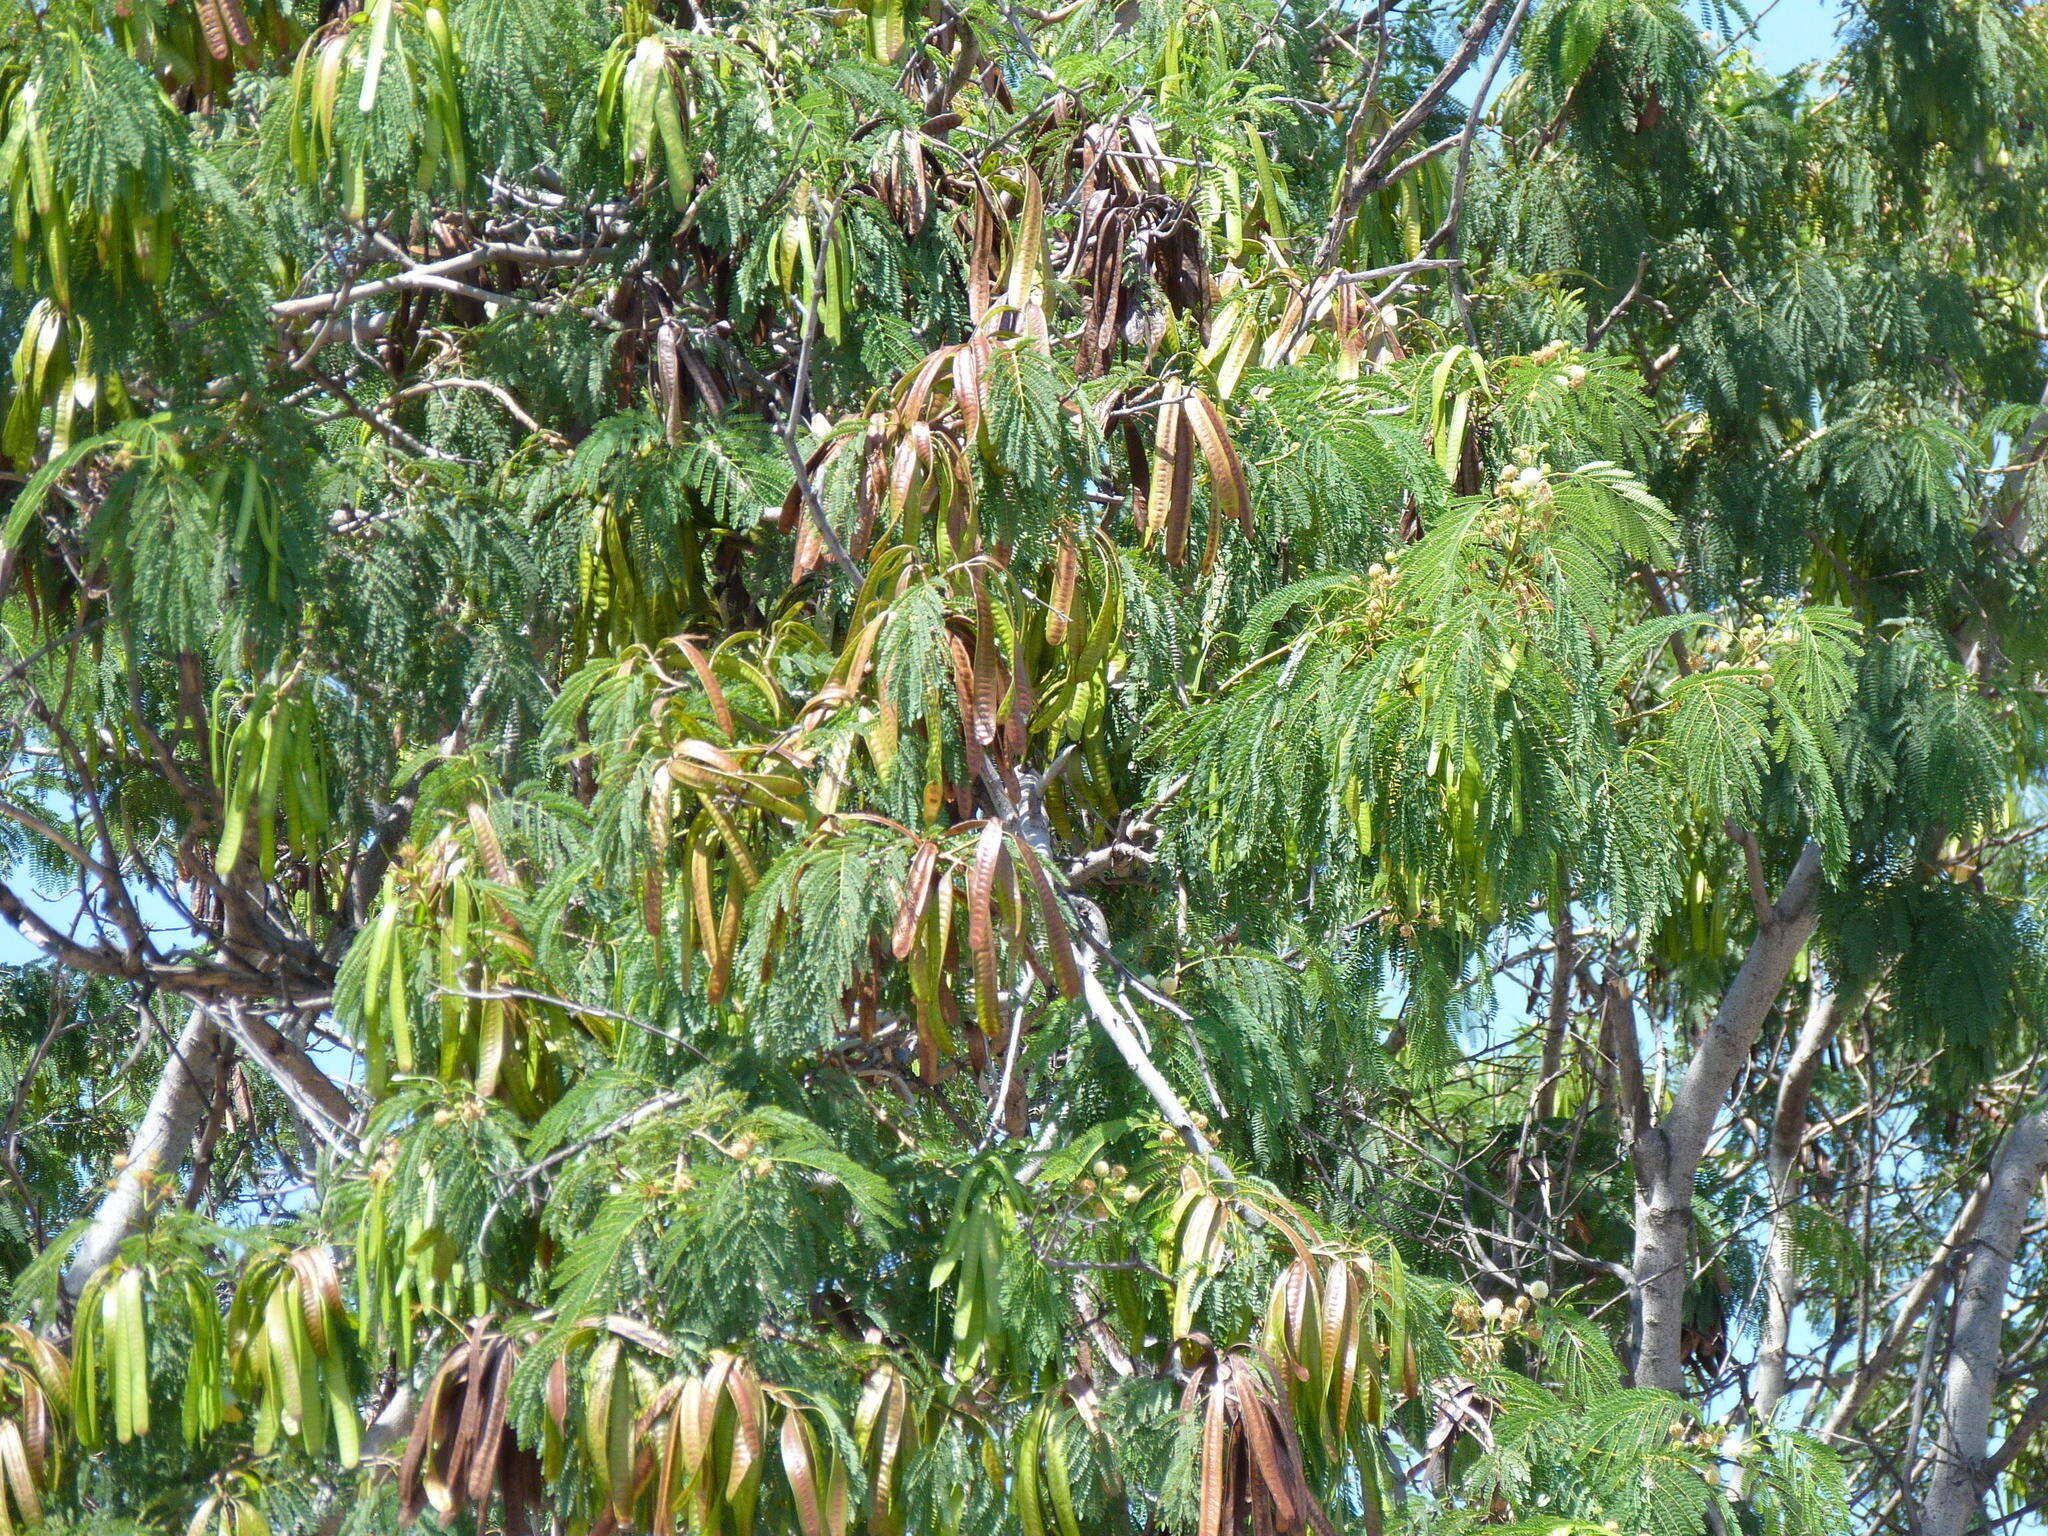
[1667, 1154]
[1366, 177]
[323, 1106]
[1915, 1301]
[1962, 1473]
[157, 1147]
[429, 274]
[1788, 1140]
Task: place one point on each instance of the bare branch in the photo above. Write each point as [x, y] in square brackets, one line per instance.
[1915, 1301]
[429, 275]
[1368, 175]
[1595, 332]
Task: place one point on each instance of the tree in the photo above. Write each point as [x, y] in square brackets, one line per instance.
[1223, 766]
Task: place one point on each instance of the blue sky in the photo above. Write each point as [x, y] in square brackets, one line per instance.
[1794, 31]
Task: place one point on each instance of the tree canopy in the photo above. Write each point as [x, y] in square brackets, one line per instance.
[923, 766]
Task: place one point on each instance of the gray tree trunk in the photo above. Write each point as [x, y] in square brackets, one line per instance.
[1668, 1152]
[159, 1145]
[1955, 1500]
[1788, 1140]
[178, 1108]
[1857, 1385]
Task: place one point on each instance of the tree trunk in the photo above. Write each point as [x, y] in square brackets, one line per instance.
[158, 1146]
[1925, 1287]
[323, 1106]
[1788, 1140]
[1563, 965]
[1668, 1153]
[1955, 1501]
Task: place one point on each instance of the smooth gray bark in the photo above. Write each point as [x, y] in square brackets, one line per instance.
[1788, 1140]
[1557, 1025]
[1925, 1287]
[158, 1146]
[1955, 1499]
[322, 1105]
[1668, 1152]
[178, 1108]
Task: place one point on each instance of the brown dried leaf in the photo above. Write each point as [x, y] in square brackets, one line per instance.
[799, 1466]
[1228, 488]
[963, 684]
[727, 941]
[981, 937]
[1166, 456]
[1059, 938]
[1216, 1453]
[981, 261]
[1066, 579]
[987, 665]
[237, 23]
[488, 848]
[214, 30]
[917, 889]
[708, 680]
